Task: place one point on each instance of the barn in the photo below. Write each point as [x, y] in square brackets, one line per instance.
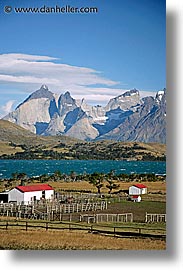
[138, 189]
[30, 193]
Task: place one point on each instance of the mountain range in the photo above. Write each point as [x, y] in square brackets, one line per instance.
[127, 117]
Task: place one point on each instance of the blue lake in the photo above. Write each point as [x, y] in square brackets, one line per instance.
[39, 167]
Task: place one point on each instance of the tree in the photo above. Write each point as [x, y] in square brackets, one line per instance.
[57, 175]
[111, 185]
[96, 179]
[73, 176]
[43, 178]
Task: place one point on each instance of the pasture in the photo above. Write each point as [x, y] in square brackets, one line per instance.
[103, 236]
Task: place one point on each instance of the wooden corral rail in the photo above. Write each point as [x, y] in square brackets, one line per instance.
[47, 211]
[116, 231]
[97, 218]
[150, 218]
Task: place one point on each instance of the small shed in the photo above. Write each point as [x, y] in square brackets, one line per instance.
[138, 189]
[29, 193]
[136, 198]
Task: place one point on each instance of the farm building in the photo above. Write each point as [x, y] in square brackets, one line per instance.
[138, 189]
[136, 198]
[27, 194]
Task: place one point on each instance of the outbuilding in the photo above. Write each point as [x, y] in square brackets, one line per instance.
[30, 193]
[138, 189]
[136, 198]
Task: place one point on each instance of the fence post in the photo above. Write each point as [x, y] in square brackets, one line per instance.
[46, 226]
[114, 231]
[26, 225]
[6, 225]
[131, 217]
[146, 217]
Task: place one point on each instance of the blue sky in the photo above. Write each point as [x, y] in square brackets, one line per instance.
[95, 56]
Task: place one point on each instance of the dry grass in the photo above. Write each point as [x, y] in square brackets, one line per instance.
[5, 148]
[76, 240]
[84, 185]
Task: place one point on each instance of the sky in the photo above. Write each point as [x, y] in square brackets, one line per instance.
[95, 56]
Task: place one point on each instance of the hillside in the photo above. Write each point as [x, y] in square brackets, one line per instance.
[14, 138]
[18, 143]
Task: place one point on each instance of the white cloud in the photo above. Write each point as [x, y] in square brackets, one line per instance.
[26, 73]
[7, 108]
[36, 69]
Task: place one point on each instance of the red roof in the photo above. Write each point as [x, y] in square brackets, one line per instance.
[36, 187]
[135, 196]
[139, 185]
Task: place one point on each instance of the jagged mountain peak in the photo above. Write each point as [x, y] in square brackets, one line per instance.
[128, 95]
[125, 117]
[66, 96]
[44, 87]
[132, 92]
[66, 103]
[43, 92]
[126, 101]
[160, 95]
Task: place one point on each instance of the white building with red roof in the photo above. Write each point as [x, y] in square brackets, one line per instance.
[136, 191]
[30, 193]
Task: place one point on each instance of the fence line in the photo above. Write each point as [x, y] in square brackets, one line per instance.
[103, 217]
[116, 231]
[48, 211]
[150, 218]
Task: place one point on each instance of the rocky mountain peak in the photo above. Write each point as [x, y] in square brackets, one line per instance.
[66, 103]
[43, 92]
[133, 92]
[44, 87]
[160, 96]
[125, 117]
[125, 101]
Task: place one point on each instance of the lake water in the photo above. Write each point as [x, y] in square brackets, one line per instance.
[39, 167]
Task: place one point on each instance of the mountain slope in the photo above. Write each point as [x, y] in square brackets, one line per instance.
[12, 133]
[147, 124]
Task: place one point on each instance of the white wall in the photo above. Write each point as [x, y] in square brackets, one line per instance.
[29, 195]
[137, 199]
[144, 190]
[49, 194]
[15, 195]
[133, 190]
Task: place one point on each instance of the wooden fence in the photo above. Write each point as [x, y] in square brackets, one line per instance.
[151, 218]
[103, 217]
[116, 231]
[47, 211]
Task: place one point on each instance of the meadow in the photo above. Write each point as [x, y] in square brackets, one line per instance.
[41, 239]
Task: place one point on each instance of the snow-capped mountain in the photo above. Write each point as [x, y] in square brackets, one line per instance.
[125, 117]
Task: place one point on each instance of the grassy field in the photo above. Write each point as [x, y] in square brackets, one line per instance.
[65, 240]
[153, 187]
[35, 239]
